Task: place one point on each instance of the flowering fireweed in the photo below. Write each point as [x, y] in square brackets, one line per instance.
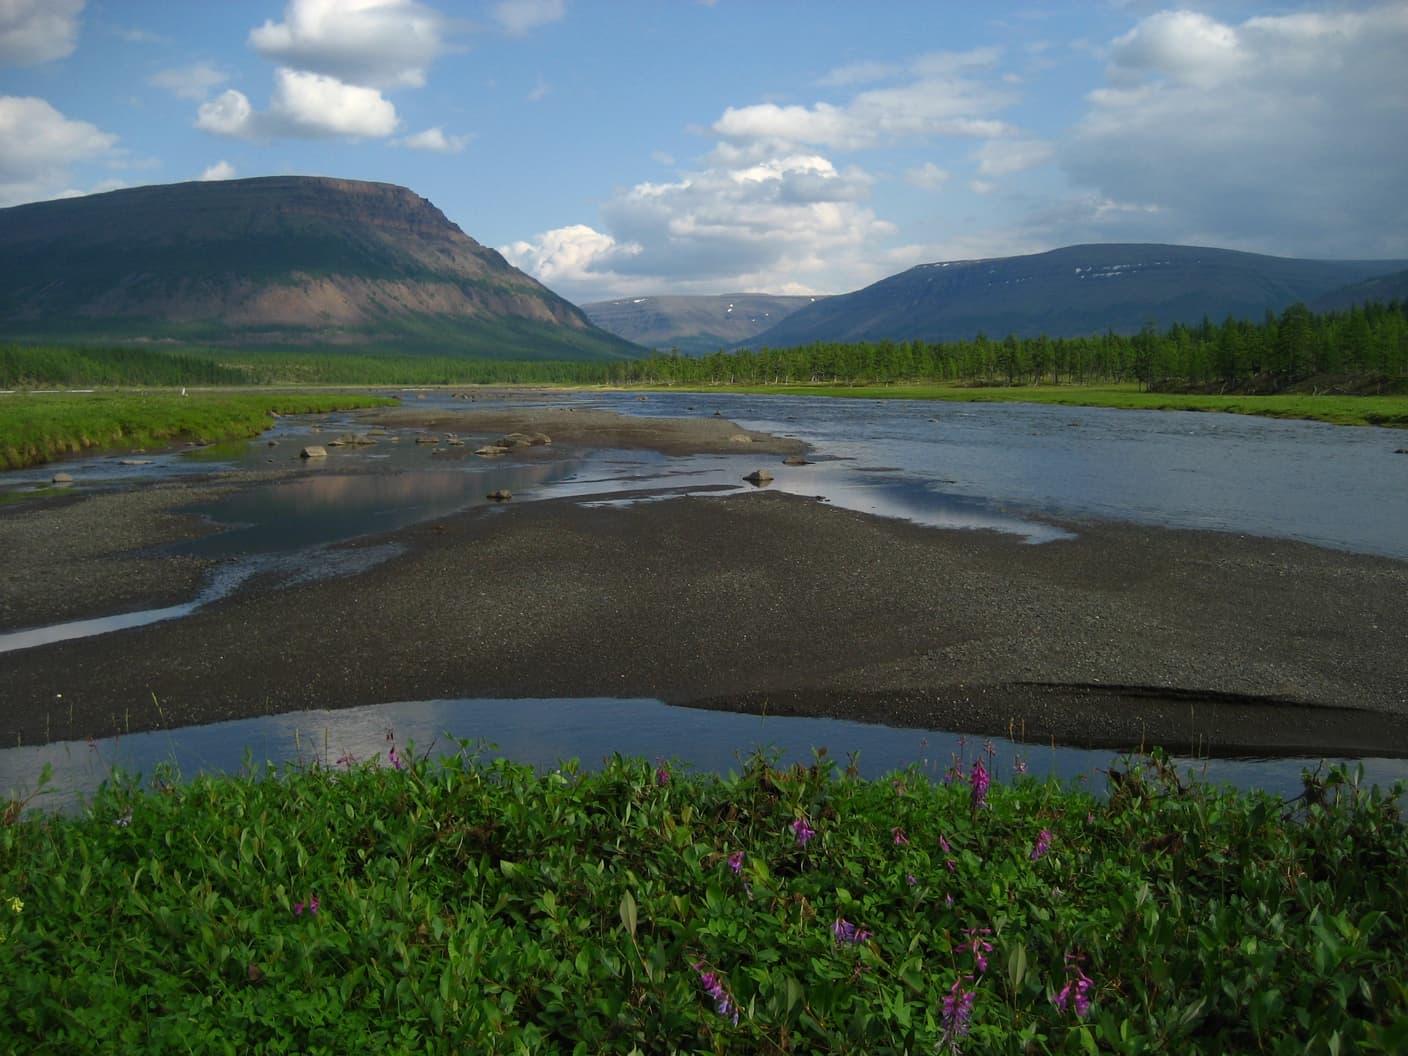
[475, 905]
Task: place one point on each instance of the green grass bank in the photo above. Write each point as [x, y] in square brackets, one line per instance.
[38, 427]
[467, 905]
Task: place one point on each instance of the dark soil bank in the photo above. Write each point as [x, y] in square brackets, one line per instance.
[1122, 636]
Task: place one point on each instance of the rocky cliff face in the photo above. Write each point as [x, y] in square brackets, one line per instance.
[285, 261]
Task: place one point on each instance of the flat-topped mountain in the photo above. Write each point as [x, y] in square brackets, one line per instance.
[279, 262]
[694, 325]
[1070, 292]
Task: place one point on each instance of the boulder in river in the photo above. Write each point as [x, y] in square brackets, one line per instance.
[313, 451]
[500, 495]
[490, 451]
[758, 477]
[61, 478]
[795, 460]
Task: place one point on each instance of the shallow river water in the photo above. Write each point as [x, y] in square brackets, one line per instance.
[1012, 468]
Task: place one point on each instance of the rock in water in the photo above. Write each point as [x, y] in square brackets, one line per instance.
[758, 477]
[313, 451]
[500, 495]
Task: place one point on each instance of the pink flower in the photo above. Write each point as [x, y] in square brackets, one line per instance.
[1076, 992]
[901, 840]
[978, 778]
[735, 862]
[1043, 844]
[958, 1008]
[802, 831]
[662, 775]
[395, 759]
[311, 906]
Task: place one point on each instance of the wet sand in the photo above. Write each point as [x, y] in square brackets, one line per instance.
[1123, 636]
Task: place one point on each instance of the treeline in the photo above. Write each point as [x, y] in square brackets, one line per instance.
[1266, 356]
[1280, 350]
[47, 366]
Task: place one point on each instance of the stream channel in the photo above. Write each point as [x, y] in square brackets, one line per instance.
[1011, 468]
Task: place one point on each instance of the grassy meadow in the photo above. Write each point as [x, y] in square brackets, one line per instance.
[472, 905]
[38, 427]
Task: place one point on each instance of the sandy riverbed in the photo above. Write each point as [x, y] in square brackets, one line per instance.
[1120, 636]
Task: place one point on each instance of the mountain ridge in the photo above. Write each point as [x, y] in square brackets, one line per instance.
[1068, 292]
[693, 324]
[288, 262]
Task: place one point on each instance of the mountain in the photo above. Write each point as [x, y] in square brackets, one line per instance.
[283, 262]
[1382, 289]
[1068, 293]
[694, 325]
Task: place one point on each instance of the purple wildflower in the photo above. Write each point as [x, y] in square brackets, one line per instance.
[735, 862]
[978, 778]
[1019, 765]
[1076, 993]
[978, 946]
[1043, 844]
[662, 775]
[901, 840]
[311, 906]
[395, 759]
[958, 1009]
[899, 787]
[724, 1003]
[802, 831]
[846, 933]
[943, 844]
[911, 879]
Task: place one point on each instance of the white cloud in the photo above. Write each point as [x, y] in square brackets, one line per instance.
[221, 170]
[927, 177]
[228, 114]
[304, 105]
[189, 82]
[435, 141]
[38, 31]
[38, 145]
[567, 255]
[376, 43]
[541, 90]
[941, 98]
[792, 222]
[517, 17]
[1003, 157]
[1183, 45]
[1280, 133]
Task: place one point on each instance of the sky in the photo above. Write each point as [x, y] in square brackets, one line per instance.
[620, 148]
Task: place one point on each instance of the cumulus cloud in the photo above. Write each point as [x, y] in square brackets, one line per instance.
[308, 105]
[1281, 133]
[38, 144]
[38, 31]
[434, 140]
[221, 170]
[188, 82]
[778, 223]
[577, 254]
[517, 17]
[376, 43]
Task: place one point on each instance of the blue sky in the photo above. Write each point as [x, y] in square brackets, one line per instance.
[634, 147]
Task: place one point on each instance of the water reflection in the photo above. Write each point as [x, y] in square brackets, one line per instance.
[544, 733]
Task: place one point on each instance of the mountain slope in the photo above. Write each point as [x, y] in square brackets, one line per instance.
[1381, 289]
[1069, 292]
[278, 262]
[694, 325]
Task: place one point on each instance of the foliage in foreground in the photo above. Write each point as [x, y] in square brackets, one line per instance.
[478, 906]
[38, 427]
